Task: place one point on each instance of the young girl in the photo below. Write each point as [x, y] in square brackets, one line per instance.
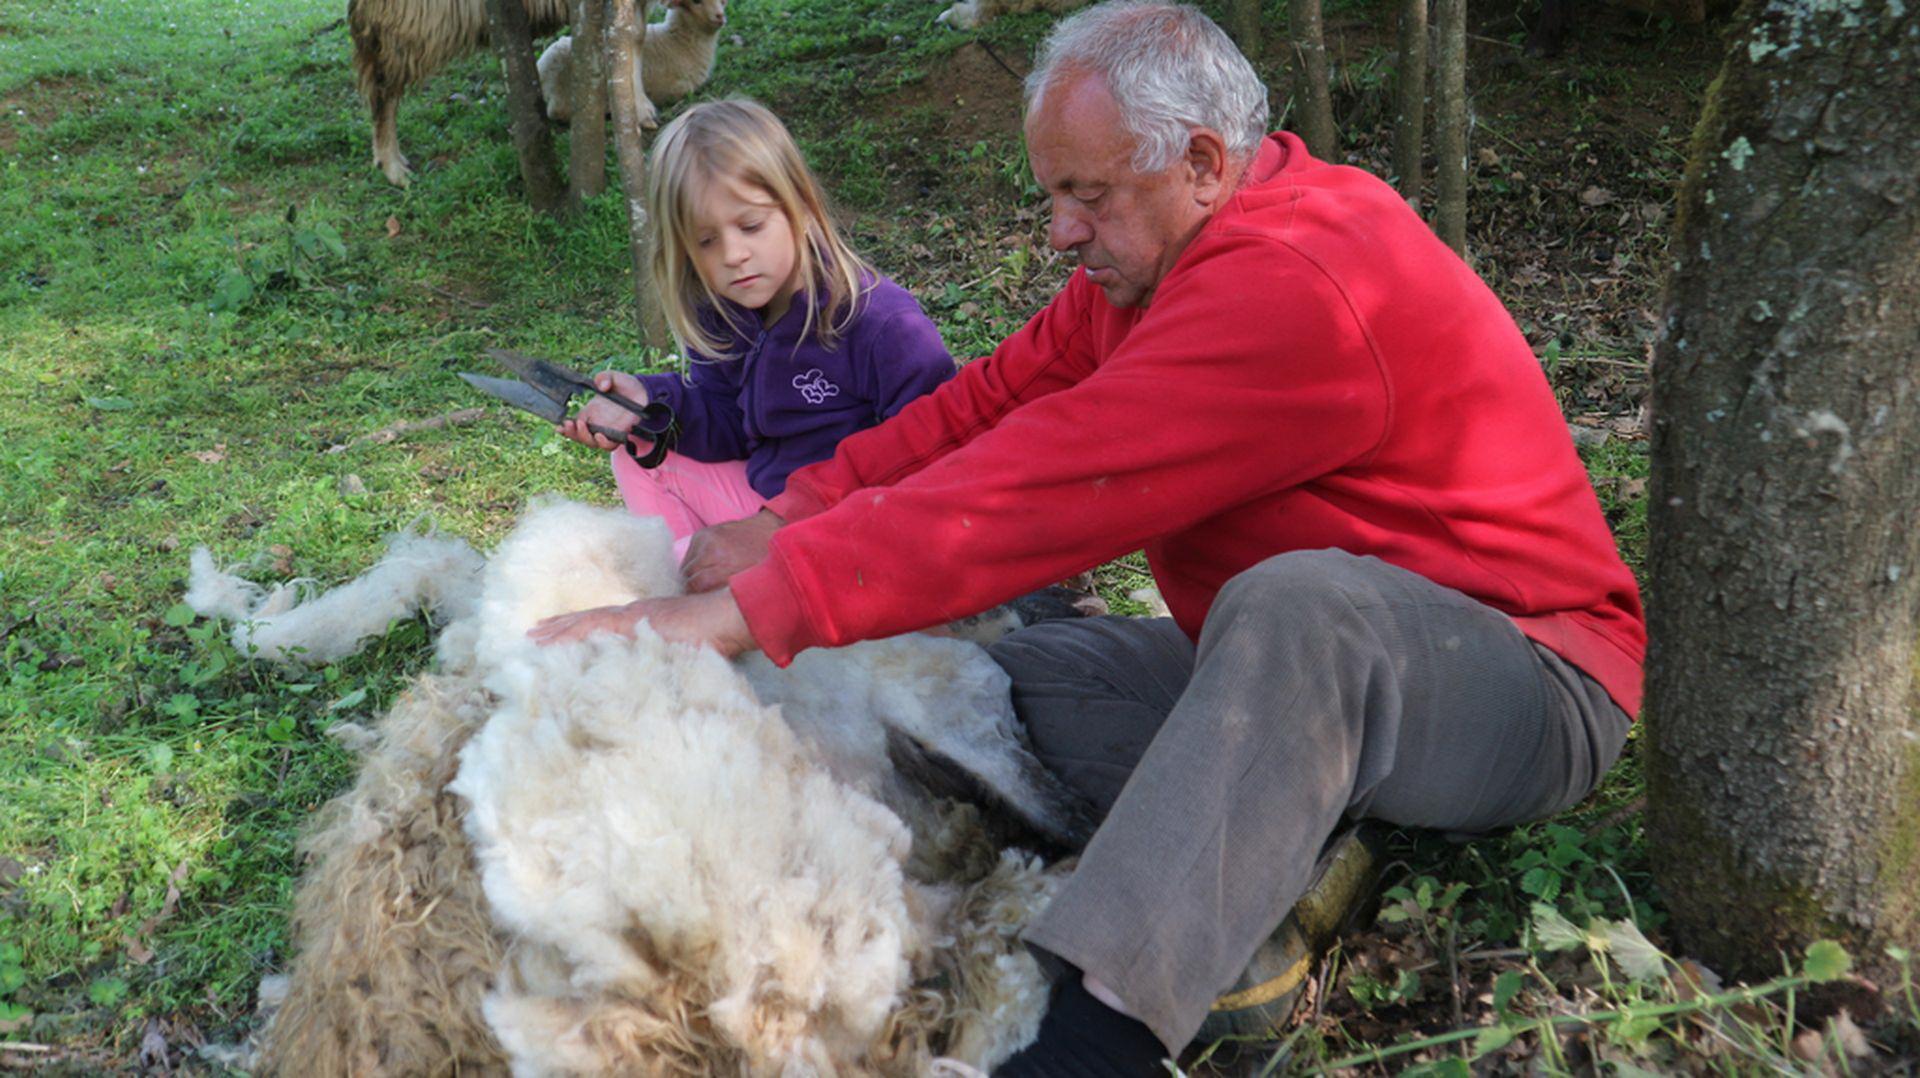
[793, 342]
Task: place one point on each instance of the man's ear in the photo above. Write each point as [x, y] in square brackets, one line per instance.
[1206, 161]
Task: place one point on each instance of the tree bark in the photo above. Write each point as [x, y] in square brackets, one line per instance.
[1450, 125]
[1783, 753]
[1245, 15]
[1410, 99]
[626, 31]
[1310, 94]
[587, 142]
[513, 40]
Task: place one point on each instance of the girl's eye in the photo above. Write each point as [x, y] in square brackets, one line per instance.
[704, 241]
[751, 227]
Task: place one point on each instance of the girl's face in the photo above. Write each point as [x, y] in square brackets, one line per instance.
[743, 247]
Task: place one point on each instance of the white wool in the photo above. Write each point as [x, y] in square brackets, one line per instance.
[419, 571]
[214, 594]
[695, 864]
[563, 557]
[630, 786]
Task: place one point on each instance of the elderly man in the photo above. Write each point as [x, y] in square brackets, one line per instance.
[1393, 592]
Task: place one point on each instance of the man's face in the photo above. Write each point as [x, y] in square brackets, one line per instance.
[1127, 228]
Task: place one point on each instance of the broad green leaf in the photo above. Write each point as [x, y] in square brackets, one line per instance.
[107, 991]
[179, 614]
[161, 757]
[1541, 883]
[330, 236]
[1553, 931]
[1492, 1039]
[1505, 987]
[233, 291]
[1638, 958]
[1827, 961]
[348, 700]
[11, 977]
[110, 404]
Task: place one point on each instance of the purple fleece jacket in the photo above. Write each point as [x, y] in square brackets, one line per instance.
[783, 402]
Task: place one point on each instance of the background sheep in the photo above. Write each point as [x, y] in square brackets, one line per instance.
[397, 43]
[969, 14]
[678, 876]
[675, 58]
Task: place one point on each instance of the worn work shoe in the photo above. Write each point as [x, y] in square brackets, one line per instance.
[1343, 879]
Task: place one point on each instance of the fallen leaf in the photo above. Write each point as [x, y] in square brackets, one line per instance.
[1595, 196]
[211, 456]
[153, 1047]
[1488, 157]
[1853, 1042]
[393, 227]
[1809, 1046]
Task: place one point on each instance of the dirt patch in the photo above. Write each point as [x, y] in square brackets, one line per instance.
[975, 90]
[37, 104]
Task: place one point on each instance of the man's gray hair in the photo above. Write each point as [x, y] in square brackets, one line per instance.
[1170, 69]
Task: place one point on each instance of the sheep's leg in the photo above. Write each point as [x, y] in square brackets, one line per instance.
[386, 138]
[649, 115]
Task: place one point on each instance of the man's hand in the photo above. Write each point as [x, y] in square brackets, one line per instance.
[601, 412]
[711, 620]
[715, 554]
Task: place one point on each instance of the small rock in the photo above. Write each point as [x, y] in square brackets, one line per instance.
[351, 485]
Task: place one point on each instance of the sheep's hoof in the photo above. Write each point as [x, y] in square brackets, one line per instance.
[395, 169]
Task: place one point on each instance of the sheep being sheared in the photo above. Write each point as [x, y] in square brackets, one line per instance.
[679, 874]
[675, 59]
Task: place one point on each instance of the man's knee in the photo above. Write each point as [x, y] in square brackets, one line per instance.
[1300, 583]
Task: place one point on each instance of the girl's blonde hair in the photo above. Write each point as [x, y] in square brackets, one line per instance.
[740, 139]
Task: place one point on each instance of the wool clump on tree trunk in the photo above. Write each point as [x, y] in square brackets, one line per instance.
[626, 855]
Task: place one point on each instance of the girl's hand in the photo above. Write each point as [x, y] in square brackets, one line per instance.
[601, 412]
[710, 620]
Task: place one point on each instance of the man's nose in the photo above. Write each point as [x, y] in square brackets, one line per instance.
[1068, 228]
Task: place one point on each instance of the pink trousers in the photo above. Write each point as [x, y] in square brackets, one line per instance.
[687, 493]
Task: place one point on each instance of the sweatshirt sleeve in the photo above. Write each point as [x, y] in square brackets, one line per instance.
[1052, 351]
[905, 359]
[707, 404]
[1201, 407]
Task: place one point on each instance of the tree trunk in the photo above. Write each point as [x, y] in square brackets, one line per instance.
[1310, 80]
[1245, 15]
[1450, 126]
[587, 144]
[513, 40]
[1410, 99]
[626, 31]
[1783, 754]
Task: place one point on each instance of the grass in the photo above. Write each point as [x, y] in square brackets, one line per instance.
[207, 296]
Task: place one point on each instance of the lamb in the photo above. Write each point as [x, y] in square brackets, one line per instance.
[630, 856]
[675, 59]
[398, 43]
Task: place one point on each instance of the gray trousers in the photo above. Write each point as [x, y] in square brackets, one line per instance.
[1325, 686]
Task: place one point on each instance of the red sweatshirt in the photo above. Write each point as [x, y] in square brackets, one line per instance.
[1316, 370]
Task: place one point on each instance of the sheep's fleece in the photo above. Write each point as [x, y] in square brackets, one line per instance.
[628, 856]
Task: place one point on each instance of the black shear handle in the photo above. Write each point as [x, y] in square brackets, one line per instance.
[662, 441]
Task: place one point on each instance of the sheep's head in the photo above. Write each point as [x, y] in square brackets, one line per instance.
[709, 14]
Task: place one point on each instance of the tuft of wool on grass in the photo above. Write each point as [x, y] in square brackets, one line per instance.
[418, 572]
[625, 855]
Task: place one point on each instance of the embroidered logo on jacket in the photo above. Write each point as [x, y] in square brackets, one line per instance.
[814, 386]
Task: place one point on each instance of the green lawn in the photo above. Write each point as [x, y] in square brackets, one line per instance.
[207, 295]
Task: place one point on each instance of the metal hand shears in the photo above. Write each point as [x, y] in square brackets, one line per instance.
[547, 389]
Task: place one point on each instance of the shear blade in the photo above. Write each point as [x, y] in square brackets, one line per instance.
[520, 395]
